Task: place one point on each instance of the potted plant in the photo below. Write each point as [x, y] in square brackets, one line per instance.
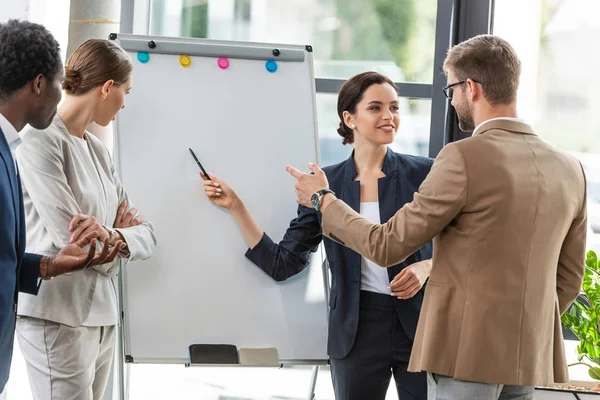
[583, 319]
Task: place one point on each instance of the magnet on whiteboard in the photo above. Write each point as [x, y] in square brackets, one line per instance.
[185, 61]
[143, 57]
[271, 66]
[223, 63]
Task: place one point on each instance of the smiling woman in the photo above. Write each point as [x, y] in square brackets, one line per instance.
[370, 306]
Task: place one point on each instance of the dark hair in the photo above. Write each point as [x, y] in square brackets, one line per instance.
[95, 62]
[26, 51]
[352, 93]
[489, 60]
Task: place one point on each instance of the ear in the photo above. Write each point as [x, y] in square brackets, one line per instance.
[475, 90]
[348, 119]
[38, 85]
[106, 88]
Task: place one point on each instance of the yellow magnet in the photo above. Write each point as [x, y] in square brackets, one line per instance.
[185, 61]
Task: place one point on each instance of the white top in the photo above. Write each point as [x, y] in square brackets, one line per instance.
[373, 278]
[494, 119]
[11, 135]
[104, 308]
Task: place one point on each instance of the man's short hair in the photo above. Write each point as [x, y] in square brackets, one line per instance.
[26, 50]
[490, 61]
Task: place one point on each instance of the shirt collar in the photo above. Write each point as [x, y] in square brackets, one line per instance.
[494, 119]
[10, 133]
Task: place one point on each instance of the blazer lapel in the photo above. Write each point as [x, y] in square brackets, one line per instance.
[389, 191]
[351, 196]
[394, 191]
[351, 188]
[7, 158]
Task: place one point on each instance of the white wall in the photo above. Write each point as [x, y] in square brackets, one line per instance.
[18, 9]
[53, 14]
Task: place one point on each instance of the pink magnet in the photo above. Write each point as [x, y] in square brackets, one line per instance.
[223, 63]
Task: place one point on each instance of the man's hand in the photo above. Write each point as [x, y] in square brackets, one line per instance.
[307, 184]
[411, 279]
[74, 257]
[83, 225]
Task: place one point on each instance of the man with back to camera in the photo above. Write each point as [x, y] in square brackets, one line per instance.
[31, 74]
[507, 212]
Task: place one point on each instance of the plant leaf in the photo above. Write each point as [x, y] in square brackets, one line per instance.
[591, 259]
[594, 373]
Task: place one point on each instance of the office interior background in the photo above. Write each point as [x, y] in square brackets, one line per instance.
[403, 39]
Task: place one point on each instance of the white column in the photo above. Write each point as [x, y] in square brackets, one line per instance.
[93, 19]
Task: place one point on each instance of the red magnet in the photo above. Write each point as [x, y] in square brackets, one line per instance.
[223, 63]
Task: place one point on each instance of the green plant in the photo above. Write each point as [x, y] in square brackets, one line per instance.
[583, 318]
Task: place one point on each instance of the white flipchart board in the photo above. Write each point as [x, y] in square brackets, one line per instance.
[245, 124]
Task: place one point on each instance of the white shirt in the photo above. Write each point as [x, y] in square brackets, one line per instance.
[499, 118]
[373, 278]
[11, 135]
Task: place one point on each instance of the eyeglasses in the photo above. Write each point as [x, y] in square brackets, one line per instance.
[449, 90]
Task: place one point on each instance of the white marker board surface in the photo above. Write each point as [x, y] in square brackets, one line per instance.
[245, 122]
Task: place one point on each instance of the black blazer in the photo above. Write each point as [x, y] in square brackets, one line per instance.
[403, 176]
[19, 271]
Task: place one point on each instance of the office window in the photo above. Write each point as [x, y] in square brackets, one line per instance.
[348, 36]
[559, 93]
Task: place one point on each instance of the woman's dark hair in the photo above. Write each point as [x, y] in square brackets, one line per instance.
[95, 62]
[351, 93]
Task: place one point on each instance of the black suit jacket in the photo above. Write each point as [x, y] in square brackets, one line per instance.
[19, 271]
[403, 176]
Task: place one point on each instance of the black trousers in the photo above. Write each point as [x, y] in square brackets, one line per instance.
[381, 350]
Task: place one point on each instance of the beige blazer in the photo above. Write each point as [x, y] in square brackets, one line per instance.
[507, 212]
[60, 179]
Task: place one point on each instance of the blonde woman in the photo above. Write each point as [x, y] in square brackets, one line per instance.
[67, 332]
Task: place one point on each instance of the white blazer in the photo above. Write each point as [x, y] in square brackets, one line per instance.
[60, 180]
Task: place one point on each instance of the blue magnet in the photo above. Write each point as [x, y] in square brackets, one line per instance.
[271, 66]
[143, 57]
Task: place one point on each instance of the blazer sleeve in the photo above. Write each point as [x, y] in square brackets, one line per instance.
[29, 276]
[41, 167]
[292, 254]
[141, 241]
[571, 260]
[441, 197]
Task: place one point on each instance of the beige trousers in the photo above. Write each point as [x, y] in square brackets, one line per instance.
[445, 388]
[65, 363]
